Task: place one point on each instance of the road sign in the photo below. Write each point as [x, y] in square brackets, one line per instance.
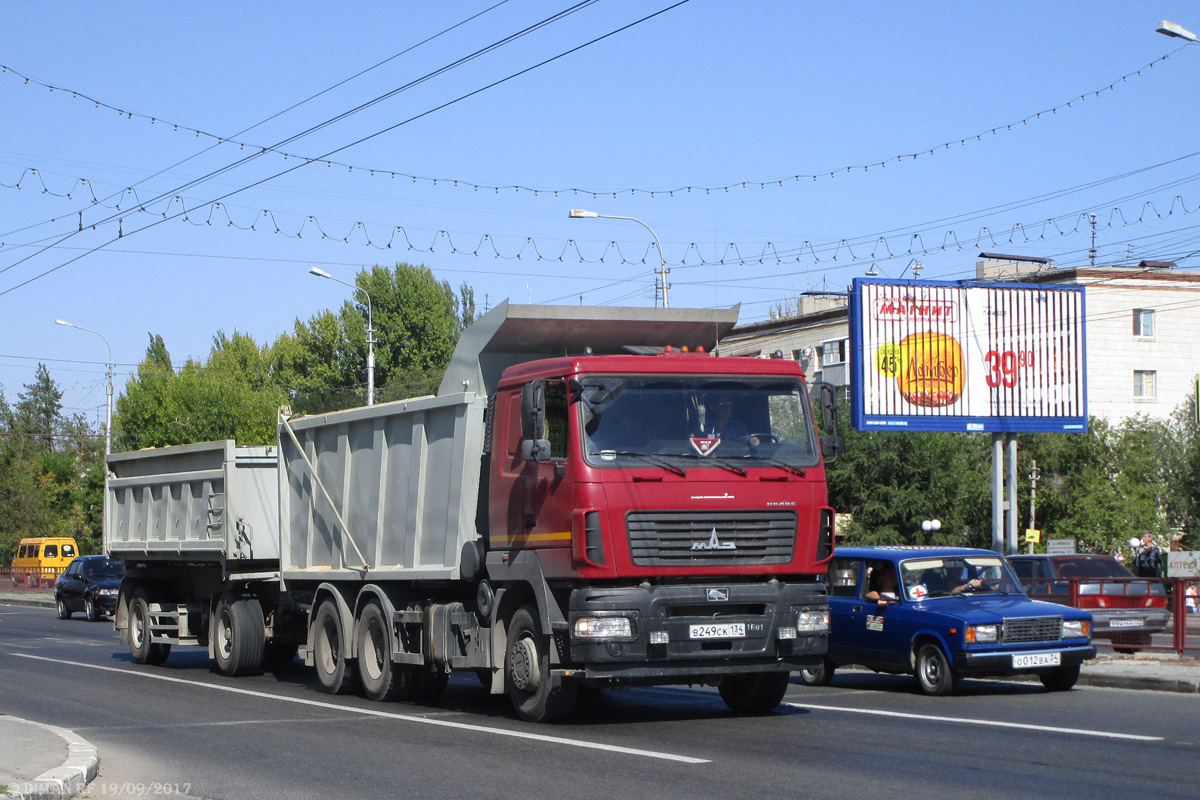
[1060, 547]
[1032, 536]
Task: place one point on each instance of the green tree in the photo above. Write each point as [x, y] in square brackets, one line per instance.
[39, 409]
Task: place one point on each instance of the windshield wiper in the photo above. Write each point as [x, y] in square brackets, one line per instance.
[647, 457]
[775, 462]
[720, 462]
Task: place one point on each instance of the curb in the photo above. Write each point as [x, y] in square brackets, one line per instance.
[47, 602]
[60, 783]
[1151, 684]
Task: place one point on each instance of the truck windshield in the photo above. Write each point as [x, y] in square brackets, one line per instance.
[693, 420]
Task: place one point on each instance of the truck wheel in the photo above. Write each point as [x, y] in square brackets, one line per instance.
[140, 646]
[63, 611]
[238, 637]
[934, 673]
[91, 611]
[329, 650]
[756, 693]
[819, 675]
[1061, 679]
[537, 695]
[375, 667]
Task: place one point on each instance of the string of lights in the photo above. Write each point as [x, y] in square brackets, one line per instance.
[594, 192]
[356, 142]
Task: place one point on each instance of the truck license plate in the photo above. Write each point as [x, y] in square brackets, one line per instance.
[728, 630]
[1027, 660]
[1126, 623]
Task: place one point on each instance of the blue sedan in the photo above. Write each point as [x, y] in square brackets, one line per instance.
[945, 613]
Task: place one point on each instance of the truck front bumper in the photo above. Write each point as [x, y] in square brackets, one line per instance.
[700, 630]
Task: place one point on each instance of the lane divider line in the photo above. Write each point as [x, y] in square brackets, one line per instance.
[371, 712]
[983, 722]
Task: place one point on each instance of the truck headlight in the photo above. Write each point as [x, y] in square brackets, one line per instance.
[982, 634]
[812, 620]
[604, 628]
[1076, 628]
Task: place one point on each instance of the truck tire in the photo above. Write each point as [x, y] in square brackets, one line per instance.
[140, 646]
[934, 673]
[756, 693]
[329, 650]
[238, 635]
[820, 675]
[1061, 679]
[536, 695]
[376, 672]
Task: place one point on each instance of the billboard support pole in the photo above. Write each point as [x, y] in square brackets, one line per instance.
[998, 492]
[1010, 439]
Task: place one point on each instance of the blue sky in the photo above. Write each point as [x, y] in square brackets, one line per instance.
[709, 94]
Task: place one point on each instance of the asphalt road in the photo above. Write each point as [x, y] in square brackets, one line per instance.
[182, 729]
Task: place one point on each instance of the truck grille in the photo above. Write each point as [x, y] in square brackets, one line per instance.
[1032, 629]
[711, 538]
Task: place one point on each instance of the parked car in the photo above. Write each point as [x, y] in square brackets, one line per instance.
[90, 584]
[943, 614]
[1126, 609]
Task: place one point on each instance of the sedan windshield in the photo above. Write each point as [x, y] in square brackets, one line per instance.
[104, 569]
[695, 421]
[957, 575]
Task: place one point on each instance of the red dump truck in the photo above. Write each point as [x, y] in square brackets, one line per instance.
[593, 498]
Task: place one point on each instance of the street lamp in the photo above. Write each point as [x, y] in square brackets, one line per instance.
[931, 525]
[579, 213]
[1176, 31]
[320, 273]
[108, 405]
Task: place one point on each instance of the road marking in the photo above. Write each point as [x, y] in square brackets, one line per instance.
[984, 722]
[370, 712]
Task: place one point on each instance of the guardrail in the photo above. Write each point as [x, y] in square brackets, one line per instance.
[30, 579]
[1132, 613]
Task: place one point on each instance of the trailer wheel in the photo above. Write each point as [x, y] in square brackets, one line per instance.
[143, 650]
[329, 651]
[756, 693]
[537, 695]
[238, 638]
[376, 671]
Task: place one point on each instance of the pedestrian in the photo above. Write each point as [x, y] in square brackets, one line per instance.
[1147, 562]
[1190, 599]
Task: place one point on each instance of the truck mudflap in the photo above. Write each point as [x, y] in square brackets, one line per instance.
[698, 631]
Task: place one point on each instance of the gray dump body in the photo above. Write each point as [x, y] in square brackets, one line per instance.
[201, 502]
[386, 492]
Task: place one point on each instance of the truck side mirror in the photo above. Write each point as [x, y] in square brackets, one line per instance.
[825, 399]
[534, 445]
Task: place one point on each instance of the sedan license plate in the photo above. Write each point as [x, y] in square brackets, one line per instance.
[728, 630]
[1028, 660]
[1126, 623]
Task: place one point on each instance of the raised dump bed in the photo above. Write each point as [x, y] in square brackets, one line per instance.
[205, 502]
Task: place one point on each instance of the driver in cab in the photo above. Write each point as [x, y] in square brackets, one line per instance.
[720, 421]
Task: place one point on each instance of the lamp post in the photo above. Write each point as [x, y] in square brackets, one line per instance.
[930, 526]
[579, 213]
[1175, 31]
[320, 273]
[108, 404]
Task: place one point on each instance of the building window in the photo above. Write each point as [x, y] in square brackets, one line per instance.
[1143, 383]
[833, 352]
[1143, 322]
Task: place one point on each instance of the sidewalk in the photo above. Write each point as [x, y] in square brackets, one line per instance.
[40, 762]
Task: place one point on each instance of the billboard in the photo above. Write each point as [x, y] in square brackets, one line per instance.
[949, 356]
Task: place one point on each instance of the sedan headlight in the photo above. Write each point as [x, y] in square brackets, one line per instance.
[108, 592]
[983, 634]
[603, 628]
[1076, 628]
[812, 620]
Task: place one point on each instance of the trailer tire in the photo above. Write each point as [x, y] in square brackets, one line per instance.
[329, 650]
[536, 695]
[144, 651]
[756, 693]
[378, 675]
[238, 635]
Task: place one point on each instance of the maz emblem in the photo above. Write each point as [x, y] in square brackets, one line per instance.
[714, 543]
[717, 594]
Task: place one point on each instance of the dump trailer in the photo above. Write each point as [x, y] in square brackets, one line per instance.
[593, 498]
